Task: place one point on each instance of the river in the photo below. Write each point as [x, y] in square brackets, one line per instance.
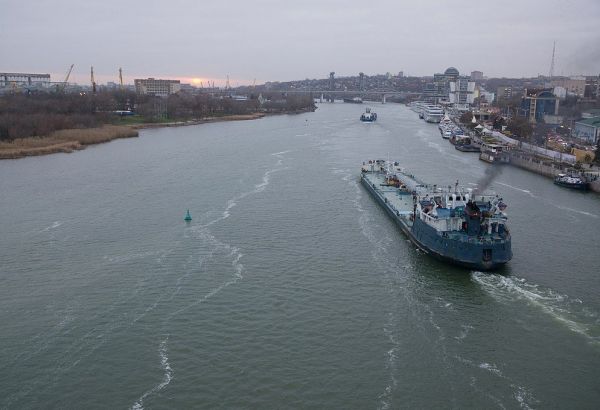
[290, 288]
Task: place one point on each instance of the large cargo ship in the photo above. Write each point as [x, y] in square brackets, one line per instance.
[452, 224]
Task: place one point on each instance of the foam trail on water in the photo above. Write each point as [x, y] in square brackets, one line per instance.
[167, 376]
[204, 233]
[277, 154]
[54, 225]
[522, 395]
[565, 310]
[389, 265]
[566, 208]
[259, 187]
[558, 206]
[526, 191]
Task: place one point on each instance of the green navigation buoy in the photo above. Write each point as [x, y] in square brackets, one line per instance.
[188, 217]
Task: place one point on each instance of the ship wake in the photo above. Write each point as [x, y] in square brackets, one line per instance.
[167, 376]
[570, 312]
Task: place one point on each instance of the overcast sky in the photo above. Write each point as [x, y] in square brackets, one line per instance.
[274, 40]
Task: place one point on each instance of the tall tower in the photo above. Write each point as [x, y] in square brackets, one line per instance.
[361, 81]
[331, 81]
[551, 73]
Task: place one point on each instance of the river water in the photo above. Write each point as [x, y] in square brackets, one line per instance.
[291, 288]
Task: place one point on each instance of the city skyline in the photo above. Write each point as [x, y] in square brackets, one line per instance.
[269, 41]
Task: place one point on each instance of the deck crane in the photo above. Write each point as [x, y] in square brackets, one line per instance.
[64, 84]
[92, 79]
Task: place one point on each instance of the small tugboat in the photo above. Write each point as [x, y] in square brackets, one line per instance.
[453, 224]
[572, 181]
[188, 217]
[368, 116]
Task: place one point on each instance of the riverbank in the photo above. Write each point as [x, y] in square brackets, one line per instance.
[67, 141]
[239, 117]
[63, 141]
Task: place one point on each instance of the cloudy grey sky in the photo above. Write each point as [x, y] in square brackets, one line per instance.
[274, 40]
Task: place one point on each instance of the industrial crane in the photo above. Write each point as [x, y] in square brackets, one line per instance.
[92, 79]
[64, 84]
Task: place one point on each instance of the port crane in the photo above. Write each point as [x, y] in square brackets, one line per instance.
[64, 84]
[92, 79]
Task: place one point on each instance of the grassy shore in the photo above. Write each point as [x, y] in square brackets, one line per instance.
[76, 139]
[63, 141]
[238, 117]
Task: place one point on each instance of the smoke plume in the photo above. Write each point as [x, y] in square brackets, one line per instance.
[484, 182]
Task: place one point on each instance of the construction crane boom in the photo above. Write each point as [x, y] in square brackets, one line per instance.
[64, 84]
[551, 73]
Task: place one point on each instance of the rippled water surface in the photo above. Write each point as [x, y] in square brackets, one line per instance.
[290, 288]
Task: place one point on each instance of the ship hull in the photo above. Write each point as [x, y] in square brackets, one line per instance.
[584, 186]
[456, 252]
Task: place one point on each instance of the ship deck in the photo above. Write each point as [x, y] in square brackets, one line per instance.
[402, 204]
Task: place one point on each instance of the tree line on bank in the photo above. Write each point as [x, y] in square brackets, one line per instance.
[28, 115]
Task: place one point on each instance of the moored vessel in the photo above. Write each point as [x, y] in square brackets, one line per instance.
[494, 153]
[572, 181]
[452, 224]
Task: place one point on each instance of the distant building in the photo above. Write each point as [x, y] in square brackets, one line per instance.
[504, 92]
[461, 93]
[560, 92]
[161, 88]
[574, 86]
[439, 90]
[476, 75]
[535, 103]
[488, 96]
[400, 74]
[588, 129]
[24, 80]
[592, 87]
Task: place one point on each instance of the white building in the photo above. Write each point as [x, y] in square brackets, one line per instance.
[462, 92]
[160, 88]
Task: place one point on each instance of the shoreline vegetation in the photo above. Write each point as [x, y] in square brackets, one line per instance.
[65, 141]
[69, 140]
[41, 123]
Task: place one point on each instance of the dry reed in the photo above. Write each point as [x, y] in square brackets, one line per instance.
[63, 141]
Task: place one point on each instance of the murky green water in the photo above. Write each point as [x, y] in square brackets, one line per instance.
[290, 288]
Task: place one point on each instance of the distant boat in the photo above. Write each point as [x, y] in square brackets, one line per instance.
[368, 116]
[188, 217]
[355, 100]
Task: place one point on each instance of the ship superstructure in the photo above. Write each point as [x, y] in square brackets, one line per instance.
[450, 223]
